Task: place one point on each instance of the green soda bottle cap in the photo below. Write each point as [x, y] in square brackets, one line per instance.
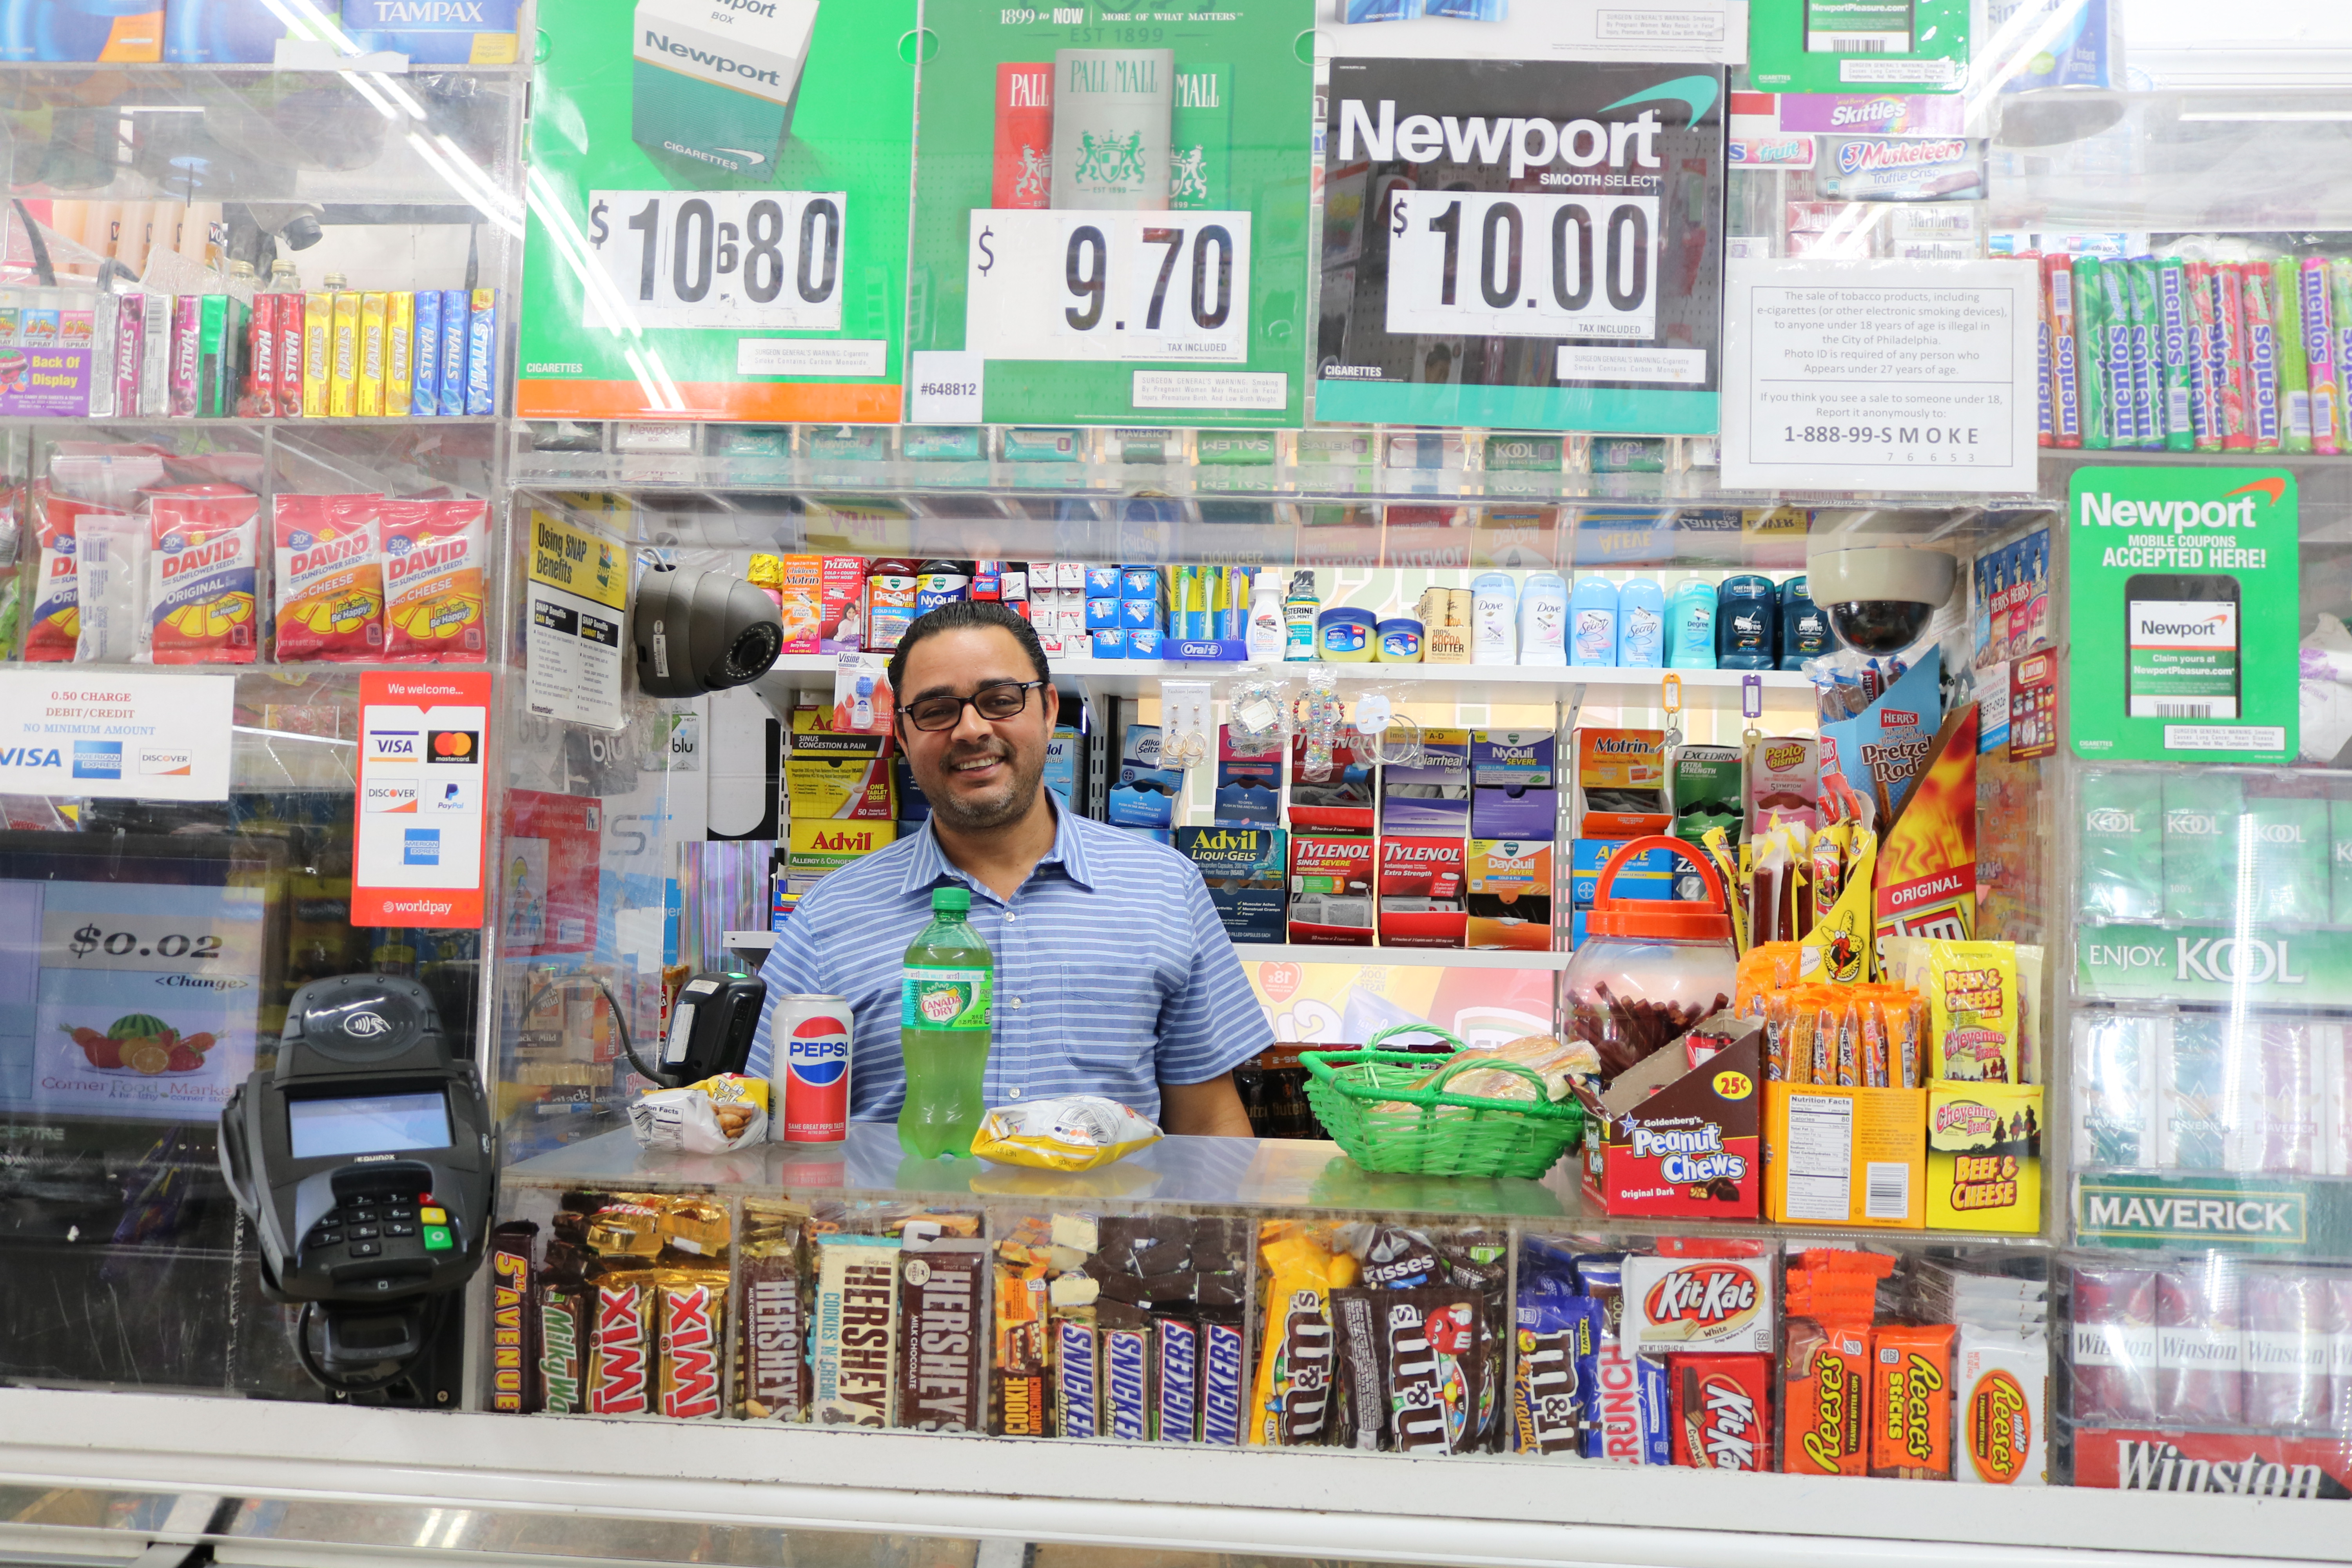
[950, 901]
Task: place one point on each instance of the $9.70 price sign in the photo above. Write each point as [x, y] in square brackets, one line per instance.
[1068, 285]
[1526, 265]
[760, 259]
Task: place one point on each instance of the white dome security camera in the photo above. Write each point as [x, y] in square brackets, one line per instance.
[1880, 597]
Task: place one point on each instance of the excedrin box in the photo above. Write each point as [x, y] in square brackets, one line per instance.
[1421, 892]
[1331, 888]
[1243, 869]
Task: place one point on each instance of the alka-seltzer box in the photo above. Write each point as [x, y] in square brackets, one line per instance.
[1244, 868]
[1676, 1306]
[1984, 1157]
[1668, 1138]
[1432, 797]
[716, 80]
[1421, 892]
[1514, 784]
[1509, 902]
[1331, 888]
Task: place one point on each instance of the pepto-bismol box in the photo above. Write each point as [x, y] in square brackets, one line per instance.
[1243, 869]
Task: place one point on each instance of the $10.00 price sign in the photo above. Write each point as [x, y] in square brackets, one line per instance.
[1053, 285]
[758, 259]
[1527, 265]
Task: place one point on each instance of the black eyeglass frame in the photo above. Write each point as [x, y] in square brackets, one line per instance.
[1024, 687]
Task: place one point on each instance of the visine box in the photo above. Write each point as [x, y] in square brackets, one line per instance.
[715, 80]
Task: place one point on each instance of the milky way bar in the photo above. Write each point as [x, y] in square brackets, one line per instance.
[942, 1306]
[563, 1339]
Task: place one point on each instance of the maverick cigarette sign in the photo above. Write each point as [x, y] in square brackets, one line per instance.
[2182, 591]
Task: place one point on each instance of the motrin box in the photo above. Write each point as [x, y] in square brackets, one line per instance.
[716, 80]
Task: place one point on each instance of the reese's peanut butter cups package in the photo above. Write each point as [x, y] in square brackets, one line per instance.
[1911, 1395]
[1825, 1398]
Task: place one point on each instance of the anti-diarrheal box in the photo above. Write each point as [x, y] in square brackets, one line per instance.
[715, 79]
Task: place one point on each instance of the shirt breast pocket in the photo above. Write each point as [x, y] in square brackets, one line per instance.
[1110, 1020]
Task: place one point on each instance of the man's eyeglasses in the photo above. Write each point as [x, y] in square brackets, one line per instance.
[1000, 700]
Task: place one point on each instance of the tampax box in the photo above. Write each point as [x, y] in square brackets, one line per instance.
[1514, 785]
[1243, 869]
[1421, 892]
[1331, 888]
[429, 32]
[831, 777]
[1510, 901]
[1433, 797]
[716, 80]
[1845, 1156]
[1668, 1138]
[74, 30]
[1984, 1156]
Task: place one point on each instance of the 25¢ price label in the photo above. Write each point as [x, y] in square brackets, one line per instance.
[1524, 265]
[1092, 286]
[764, 260]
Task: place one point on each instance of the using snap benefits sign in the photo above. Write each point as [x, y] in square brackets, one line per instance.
[2181, 591]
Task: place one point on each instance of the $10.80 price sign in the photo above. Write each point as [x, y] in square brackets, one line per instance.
[1060, 285]
[758, 259]
[1526, 265]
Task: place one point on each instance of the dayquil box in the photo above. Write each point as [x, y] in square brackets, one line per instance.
[1984, 1156]
[1331, 888]
[1509, 894]
[1845, 1156]
[1668, 1138]
[1421, 892]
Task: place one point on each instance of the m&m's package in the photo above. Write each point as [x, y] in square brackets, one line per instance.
[203, 575]
[330, 578]
[436, 554]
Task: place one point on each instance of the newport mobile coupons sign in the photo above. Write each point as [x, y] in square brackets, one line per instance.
[417, 859]
[2181, 591]
[114, 735]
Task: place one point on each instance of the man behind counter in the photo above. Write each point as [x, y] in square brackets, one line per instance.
[1114, 976]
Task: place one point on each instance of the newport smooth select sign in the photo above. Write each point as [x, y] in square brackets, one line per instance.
[2181, 593]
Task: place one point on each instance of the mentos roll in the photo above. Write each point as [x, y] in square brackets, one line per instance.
[720, 95]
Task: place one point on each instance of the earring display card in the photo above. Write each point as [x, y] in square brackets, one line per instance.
[1533, 244]
[719, 213]
[1109, 220]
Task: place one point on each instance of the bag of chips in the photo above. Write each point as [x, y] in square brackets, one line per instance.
[1073, 1133]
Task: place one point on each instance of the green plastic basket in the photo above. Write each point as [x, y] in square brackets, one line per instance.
[1362, 1100]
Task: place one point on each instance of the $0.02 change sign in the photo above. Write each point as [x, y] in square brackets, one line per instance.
[1527, 265]
[1056, 285]
[755, 259]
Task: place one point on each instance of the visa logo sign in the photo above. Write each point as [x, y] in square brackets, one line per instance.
[392, 745]
[31, 757]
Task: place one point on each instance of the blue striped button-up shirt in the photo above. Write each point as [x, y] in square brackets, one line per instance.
[1114, 974]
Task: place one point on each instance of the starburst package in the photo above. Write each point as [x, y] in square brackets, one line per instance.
[204, 576]
[435, 555]
[328, 579]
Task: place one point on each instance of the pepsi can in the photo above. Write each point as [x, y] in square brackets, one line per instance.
[809, 1081]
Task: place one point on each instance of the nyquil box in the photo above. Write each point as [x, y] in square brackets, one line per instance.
[716, 80]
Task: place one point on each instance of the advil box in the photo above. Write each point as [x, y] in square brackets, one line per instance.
[1984, 1156]
[831, 777]
[1421, 893]
[1244, 868]
[1668, 1138]
[1845, 1156]
[1331, 888]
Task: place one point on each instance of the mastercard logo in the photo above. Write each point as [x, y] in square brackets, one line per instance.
[453, 746]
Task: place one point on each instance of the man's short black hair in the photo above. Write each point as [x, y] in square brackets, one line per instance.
[957, 615]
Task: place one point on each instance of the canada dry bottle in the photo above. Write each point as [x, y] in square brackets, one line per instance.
[943, 1030]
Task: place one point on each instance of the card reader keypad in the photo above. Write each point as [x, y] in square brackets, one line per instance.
[373, 1231]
